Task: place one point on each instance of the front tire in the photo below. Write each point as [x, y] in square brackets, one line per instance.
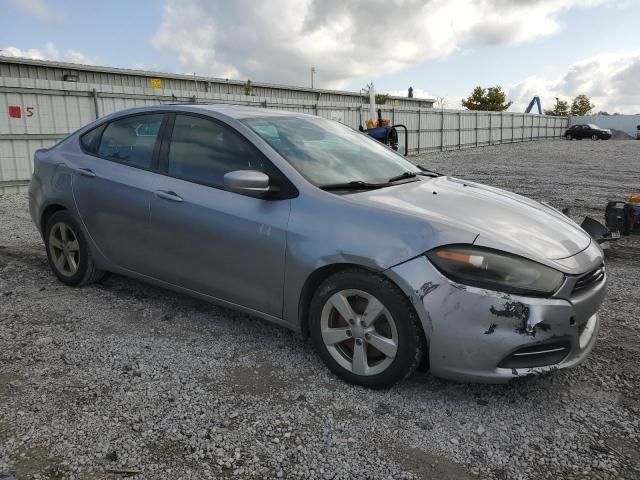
[568, 136]
[365, 329]
[68, 252]
[594, 137]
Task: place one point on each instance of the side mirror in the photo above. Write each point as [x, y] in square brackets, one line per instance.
[249, 182]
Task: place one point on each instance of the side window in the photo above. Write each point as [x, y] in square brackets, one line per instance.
[203, 151]
[131, 140]
[89, 140]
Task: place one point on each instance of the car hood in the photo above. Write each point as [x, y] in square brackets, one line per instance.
[500, 219]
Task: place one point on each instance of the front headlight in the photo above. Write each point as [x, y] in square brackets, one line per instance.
[495, 270]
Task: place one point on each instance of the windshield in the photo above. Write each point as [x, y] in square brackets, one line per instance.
[327, 152]
[595, 127]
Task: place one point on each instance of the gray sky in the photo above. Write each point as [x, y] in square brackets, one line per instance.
[441, 48]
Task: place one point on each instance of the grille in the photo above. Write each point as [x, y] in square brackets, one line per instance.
[589, 279]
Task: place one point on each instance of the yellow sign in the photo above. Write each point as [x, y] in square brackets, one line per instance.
[156, 83]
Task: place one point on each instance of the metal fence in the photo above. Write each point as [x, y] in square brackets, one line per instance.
[38, 113]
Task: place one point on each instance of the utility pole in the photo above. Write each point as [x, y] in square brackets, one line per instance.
[313, 72]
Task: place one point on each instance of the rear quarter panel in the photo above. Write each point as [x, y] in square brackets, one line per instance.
[50, 184]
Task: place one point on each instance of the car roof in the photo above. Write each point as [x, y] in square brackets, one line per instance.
[240, 111]
[233, 111]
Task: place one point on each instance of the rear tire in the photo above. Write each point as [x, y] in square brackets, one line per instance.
[381, 317]
[68, 251]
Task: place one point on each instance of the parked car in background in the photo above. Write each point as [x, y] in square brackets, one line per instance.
[312, 225]
[587, 130]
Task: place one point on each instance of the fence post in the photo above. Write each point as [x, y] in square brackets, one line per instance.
[531, 136]
[513, 129]
[501, 127]
[546, 127]
[94, 94]
[476, 124]
[459, 130]
[419, 117]
[442, 131]
[490, 131]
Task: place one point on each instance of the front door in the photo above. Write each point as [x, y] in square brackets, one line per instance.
[212, 241]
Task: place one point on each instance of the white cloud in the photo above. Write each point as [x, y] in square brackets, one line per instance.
[611, 81]
[48, 52]
[281, 40]
[40, 9]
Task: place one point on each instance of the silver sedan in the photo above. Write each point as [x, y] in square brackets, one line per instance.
[316, 227]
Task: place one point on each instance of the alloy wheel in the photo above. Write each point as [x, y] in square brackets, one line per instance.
[64, 249]
[359, 332]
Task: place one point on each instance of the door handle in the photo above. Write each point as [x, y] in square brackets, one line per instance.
[85, 172]
[172, 196]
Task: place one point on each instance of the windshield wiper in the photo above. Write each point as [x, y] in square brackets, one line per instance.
[404, 175]
[354, 185]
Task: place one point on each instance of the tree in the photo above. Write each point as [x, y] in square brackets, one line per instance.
[581, 105]
[560, 110]
[491, 99]
[381, 98]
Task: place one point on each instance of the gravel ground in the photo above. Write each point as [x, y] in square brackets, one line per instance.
[122, 375]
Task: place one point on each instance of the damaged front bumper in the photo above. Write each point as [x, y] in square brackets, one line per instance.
[486, 336]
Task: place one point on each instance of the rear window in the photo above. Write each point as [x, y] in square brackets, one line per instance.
[131, 140]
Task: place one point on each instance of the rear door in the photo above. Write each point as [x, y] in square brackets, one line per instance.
[112, 186]
[220, 243]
